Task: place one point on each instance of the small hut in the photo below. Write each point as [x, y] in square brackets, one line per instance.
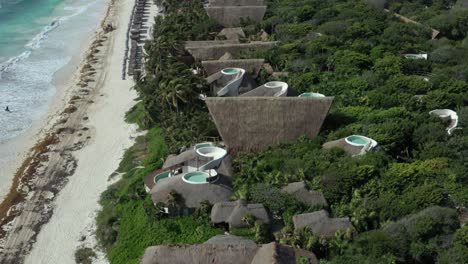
[299, 191]
[321, 224]
[233, 213]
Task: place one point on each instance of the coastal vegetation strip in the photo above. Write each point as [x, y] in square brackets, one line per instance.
[394, 197]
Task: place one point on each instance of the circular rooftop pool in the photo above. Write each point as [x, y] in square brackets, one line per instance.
[203, 145]
[196, 177]
[211, 152]
[357, 140]
[311, 95]
[230, 71]
[274, 84]
[162, 176]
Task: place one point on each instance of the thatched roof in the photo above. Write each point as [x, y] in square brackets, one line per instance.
[215, 51]
[232, 33]
[229, 16]
[236, 2]
[201, 43]
[461, 4]
[234, 212]
[261, 91]
[226, 249]
[252, 123]
[300, 192]
[341, 143]
[252, 66]
[202, 253]
[226, 56]
[230, 240]
[226, 167]
[321, 224]
[277, 253]
[192, 194]
[174, 160]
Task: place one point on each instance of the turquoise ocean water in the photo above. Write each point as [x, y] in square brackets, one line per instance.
[19, 21]
[38, 38]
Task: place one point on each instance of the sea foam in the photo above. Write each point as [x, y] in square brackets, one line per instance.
[37, 40]
[26, 80]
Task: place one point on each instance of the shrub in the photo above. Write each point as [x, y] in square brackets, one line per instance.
[84, 255]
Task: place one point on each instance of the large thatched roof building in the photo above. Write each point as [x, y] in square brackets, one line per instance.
[299, 191]
[251, 123]
[213, 50]
[231, 12]
[321, 224]
[226, 249]
[233, 213]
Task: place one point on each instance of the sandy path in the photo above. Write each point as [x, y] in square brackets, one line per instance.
[91, 140]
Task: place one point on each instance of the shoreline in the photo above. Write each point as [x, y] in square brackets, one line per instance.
[50, 163]
[21, 146]
[25, 143]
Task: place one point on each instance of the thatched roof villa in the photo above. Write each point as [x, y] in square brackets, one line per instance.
[300, 191]
[321, 224]
[250, 119]
[196, 175]
[231, 12]
[248, 123]
[192, 194]
[227, 59]
[226, 249]
[215, 49]
[233, 213]
[192, 160]
[232, 33]
[354, 144]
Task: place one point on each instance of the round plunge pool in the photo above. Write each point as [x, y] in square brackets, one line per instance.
[161, 176]
[230, 71]
[357, 140]
[311, 95]
[196, 177]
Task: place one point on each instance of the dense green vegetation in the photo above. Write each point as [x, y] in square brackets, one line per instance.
[400, 198]
[129, 222]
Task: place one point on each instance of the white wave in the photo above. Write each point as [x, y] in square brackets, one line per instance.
[35, 43]
[37, 40]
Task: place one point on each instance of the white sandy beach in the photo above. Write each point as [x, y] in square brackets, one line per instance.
[77, 202]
